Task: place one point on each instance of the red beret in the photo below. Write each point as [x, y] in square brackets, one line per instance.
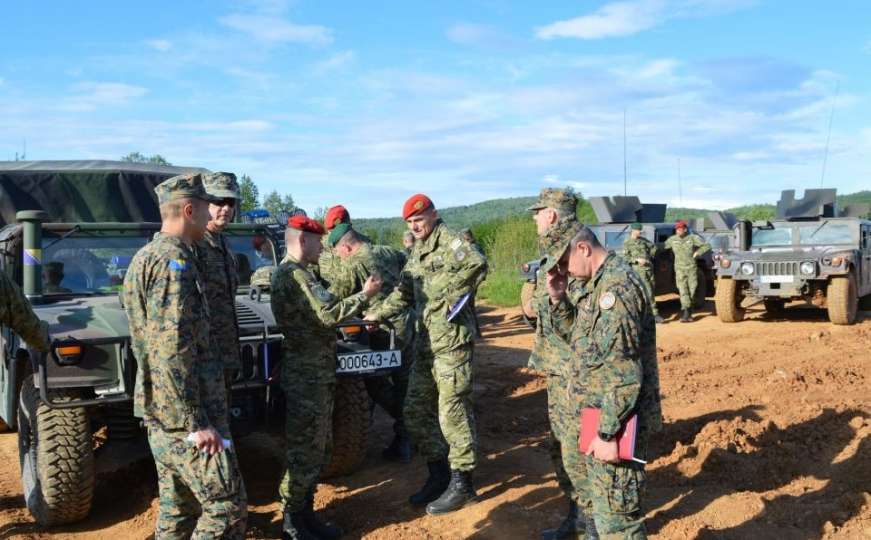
[680, 223]
[335, 215]
[415, 205]
[306, 224]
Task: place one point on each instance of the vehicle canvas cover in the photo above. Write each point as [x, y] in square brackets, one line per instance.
[83, 191]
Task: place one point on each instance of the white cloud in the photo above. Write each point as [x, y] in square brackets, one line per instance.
[272, 29]
[161, 45]
[90, 96]
[630, 17]
[335, 62]
[478, 35]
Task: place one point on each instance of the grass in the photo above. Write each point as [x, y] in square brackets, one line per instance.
[501, 289]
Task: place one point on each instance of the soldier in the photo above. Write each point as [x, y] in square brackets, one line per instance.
[218, 264]
[180, 392]
[16, 313]
[307, 313]
[555, 215]
[610, 326]
[437, 281]
[686, 247]
[360, 259]
[52, 276]
[640, 253]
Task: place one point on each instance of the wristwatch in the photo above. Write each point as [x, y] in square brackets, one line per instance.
[607, 437]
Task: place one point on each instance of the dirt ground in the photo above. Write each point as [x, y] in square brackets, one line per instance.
[767, 436]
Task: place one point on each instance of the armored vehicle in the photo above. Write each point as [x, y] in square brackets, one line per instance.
[812, 251]
[72, 407]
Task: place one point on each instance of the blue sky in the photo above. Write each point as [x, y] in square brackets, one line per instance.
[366, 103]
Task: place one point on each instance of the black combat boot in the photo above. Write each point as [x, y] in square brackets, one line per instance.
[436, 484]
[459, 494]
[659, 319]
[399, 450]
[571, 525]
[684, 315]
[294, 527]
[324, 531]
[592, 533]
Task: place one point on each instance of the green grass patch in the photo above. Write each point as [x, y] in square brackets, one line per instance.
[501, 289]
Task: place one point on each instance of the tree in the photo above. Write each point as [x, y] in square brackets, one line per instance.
[275, 203]
[250, 193]
[136, 157]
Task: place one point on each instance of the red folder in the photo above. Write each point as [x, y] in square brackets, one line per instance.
[625, 437]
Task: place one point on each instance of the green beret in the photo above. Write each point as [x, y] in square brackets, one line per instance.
[636, 226]
[338, 232]
[183, 186]
[221, 185]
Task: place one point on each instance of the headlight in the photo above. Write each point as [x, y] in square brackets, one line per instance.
[525, 267]
[837, 261]
[725, 263]
[747, 268]
[808, 268]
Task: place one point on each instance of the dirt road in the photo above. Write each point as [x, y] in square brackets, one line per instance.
[768, 436]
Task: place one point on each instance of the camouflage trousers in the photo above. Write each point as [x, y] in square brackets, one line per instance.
[200, 496]
[687, 282]
[647, 277]
[309, 434]
[438, 407]
[616, 491]
[568, 461]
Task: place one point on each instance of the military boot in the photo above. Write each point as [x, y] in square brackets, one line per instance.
[459, 494]
[571, 525]
[658, 319]
[439, 477]
[399, 450]
[592, 533]
[324, 531]
[684, 315]
[294, 527]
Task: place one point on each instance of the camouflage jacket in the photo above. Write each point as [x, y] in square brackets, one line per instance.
[385, 262]
[609, 324]
[686, 250]
[219, 272]
[16, 313]
[179, 381]
[439, 271]
[307, 314]
[639, 248]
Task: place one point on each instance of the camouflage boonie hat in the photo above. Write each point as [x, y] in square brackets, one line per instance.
[559, 199]
[221, 185]
[183, 186]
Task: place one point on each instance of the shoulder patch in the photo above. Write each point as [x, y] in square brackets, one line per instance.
[459, 255]
[320, 292]
[178, 264]
[607, 300]
[456, 244]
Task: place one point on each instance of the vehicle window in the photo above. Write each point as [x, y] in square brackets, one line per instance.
[252, 251]
[826, 233]
[89, 263]
[772, 237]
[614, 239]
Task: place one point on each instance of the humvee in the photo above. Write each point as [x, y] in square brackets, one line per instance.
[85, 221]
[812, 251]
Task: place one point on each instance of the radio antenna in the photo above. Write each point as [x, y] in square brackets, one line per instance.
[829, 133]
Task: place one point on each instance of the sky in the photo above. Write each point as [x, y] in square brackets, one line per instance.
[726, 102]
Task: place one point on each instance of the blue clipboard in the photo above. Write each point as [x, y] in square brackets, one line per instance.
[458, 306]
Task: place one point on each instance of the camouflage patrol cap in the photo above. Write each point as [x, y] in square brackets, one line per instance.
[183, 186]
[221, 185]
[563, 200]
[560, 245]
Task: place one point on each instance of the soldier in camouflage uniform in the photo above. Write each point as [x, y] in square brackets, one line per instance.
[686, 247]
[307, 313]
[180, 392]
[360, 259]
[441, 271]
[555, 215]
[640, 253]
[218, 265]
[16, 313]
[609, 324]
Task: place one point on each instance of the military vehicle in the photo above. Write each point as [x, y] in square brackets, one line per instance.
[615, 216]
[69, 231]
[812, 251]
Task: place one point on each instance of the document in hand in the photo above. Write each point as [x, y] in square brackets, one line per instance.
[625, 437]
[458, 305]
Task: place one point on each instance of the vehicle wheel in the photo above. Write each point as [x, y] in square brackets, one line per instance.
[351, 413]
[56, 454]
[774, 306]
[526, 293]
[701, 290]
[728, 300]
[4, 427]
[842, 300]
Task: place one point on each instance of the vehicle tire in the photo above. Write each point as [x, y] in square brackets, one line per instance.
[774, 306]
[701, 290]
[728, 300]
[4, 427]
[526, 293]
[56, 454]
[842, 300]
[351, 413]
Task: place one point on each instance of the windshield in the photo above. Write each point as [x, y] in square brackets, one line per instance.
[252, 251]
[614, 239]
[89, 262]
[719, 241]
[772, 237]
[825, 233]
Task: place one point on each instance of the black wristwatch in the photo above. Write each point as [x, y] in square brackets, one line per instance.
[607, 437]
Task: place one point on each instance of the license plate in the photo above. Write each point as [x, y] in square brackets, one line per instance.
[778, 279]
[368, 361]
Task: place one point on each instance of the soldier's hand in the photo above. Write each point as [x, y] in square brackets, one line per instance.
[372, 286]
[208, 440]
[556, 283]
[606, 451]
